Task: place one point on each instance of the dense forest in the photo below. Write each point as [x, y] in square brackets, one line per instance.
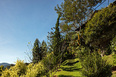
[81, 44]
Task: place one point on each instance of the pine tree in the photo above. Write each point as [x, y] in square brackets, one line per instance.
[56, 38]
[36, 52]
[75, 12]
[43, 48]
[54, 43]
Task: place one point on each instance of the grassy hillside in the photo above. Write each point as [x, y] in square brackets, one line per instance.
[69, 68]
[72, 67]
[95, 37]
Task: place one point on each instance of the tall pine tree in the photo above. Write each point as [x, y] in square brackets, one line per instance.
[75, 12]
[36, 52]
[56, 38]
[43, 48]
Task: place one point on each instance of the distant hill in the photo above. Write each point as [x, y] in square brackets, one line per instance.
[5, 64]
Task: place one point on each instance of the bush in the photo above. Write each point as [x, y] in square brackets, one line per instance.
[20, 67]
[93, 64]
[35, 70]
[16, 71]
[21, 70]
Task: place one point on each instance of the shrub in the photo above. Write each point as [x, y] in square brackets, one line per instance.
[93, 64]
[20, 67]
[6, 73]
[15, 71]
[34, 70]
[21, 70]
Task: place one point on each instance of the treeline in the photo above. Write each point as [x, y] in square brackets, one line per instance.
[94, 38]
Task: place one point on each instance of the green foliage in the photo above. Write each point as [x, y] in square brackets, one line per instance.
[1, 69]
[15, 71]
[101, 28]
[113, 44]
[69, 44]
[82, 52]
[110, 59]
[93, 64]
[65, 27]
[55, 39]
[21, 70]
[55, 56]
[37, 55]
[99, 32]
[35, 70]
[20, 67]
[49, 61]
[73, 43]
[114, 59]
[43, 48]
[75, 12]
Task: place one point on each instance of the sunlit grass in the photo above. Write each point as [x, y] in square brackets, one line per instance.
[69, 68]
[69, 73]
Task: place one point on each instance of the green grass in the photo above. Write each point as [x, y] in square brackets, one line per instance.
[69, 73]
[72, 67]
[69, 68]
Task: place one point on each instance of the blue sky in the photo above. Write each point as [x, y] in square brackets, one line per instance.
[22, 21]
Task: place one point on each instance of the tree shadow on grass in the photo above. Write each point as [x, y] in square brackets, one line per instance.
[70, 64]
[66, 76]
[71, 69]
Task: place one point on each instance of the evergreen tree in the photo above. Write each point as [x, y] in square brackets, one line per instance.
[37, 56]
[43, 48]
[56, 38]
